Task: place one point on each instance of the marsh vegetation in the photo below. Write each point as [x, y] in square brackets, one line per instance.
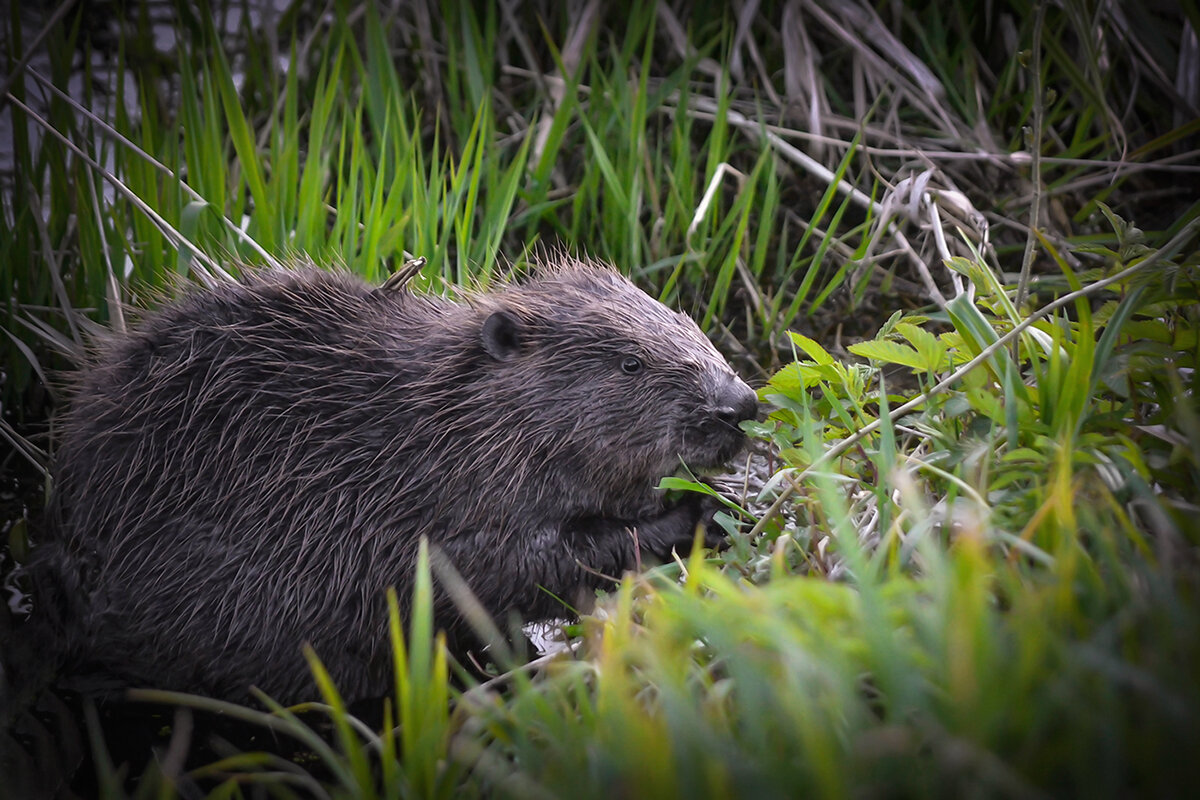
[954, 244]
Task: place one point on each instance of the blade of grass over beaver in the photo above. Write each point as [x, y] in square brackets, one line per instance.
[422, 690]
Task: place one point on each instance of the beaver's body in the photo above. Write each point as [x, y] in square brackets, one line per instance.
[253, 465]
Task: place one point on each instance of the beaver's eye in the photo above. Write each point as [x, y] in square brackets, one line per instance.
[631, 364]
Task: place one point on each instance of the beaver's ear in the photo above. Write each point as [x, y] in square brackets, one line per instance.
[501, 335]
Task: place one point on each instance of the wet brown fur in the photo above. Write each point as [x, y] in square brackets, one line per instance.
[250, 466]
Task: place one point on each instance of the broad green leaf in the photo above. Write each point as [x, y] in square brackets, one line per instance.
[933, 352]
[810, 348]
[890, 352]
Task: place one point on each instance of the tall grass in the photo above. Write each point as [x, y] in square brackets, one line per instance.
[966, 558]
[384, 141]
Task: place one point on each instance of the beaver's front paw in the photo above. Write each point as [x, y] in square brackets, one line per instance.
[676, 527]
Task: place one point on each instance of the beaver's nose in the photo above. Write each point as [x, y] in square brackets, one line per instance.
[737, 403]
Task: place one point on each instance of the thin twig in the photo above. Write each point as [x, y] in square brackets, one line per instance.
[709, 193]
[1035, 152]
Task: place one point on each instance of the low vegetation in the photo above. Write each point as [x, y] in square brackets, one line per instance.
[955, 246]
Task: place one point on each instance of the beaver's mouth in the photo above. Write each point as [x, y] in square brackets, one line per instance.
[711, 445]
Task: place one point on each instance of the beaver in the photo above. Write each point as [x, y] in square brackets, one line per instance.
[249, 467]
